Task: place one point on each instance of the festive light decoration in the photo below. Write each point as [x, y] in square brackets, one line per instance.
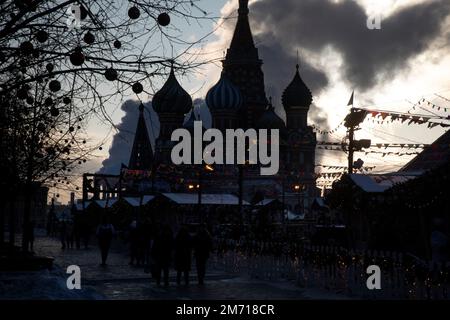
[111, 74]
[77, 57]
[89, 38]
[49, 67]
[54, 112]
[54, 86]
[42, 36]
[137, 88]
[163, 19]
[117, 44]
[26, 47]
[134, 13]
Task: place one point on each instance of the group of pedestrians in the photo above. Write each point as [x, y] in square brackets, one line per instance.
[74, 233]
[181, 248]
[159, 250]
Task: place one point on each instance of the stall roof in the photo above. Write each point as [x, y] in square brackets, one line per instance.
[136, 201]
[320, 202]
[216, 199]
[380, 183]
[291, 216]
[265, 202]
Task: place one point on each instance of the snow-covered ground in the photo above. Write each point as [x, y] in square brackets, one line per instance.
[41, 285]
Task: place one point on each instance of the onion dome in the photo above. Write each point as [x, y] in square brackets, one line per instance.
[224, 95]
[172, 98]
[189, 124]
[269, 119]
[297, 94]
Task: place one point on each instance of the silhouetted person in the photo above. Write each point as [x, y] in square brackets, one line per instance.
[133, 238]
[146, 233]
[76, 227]
[105, 232]
[162, 253]
[69, 234]
[29, 235]
[85, 232]
[63, 233]
[202, 248]
[183, 251]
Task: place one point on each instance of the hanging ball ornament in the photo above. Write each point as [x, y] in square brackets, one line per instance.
[163, 19]
[30, 100]
[134, 13]
[117, 44]
[89, 38]
[42, 36]
[26, 47]
[67, 100]
[54, 86]
[137, 88]
[49, 67]
[22, 93]
[48, 102]
[111, 74]
[41, 127]
[77, 57]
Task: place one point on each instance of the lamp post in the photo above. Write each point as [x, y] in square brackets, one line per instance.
[209, 168]
[300, 188]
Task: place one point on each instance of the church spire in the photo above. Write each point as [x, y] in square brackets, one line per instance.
[243, 67]
[242, 45]
[142, 154]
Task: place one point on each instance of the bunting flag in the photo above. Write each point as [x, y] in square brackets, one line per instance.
[325, 132]
[380, 117]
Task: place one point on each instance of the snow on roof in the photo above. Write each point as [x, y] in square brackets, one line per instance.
[192, 198]
[106, 203]
[265, 202]
[292, 216]
[379, 183]
[320, 202]
[136, 201]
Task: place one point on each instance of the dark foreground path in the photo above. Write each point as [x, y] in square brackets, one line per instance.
[121, 281]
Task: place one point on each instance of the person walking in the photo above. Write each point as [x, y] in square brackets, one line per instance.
[202, 248]
[162, 253]
[29, 235]
[183, 252]
[133, 238]
[105, 233]
[63, 233]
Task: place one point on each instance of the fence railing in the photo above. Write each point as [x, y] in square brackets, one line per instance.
[337, 269]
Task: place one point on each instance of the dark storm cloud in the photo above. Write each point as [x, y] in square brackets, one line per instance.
[369, 56]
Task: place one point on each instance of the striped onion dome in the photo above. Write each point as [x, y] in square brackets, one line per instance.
[172, 98]
[224, 95]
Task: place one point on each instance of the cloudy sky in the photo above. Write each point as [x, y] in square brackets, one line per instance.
[390, 69]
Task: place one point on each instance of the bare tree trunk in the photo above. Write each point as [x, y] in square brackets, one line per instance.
[12, 221]
[2, 221]
[26, 216]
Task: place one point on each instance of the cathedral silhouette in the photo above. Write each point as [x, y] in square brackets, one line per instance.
[237, 100]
